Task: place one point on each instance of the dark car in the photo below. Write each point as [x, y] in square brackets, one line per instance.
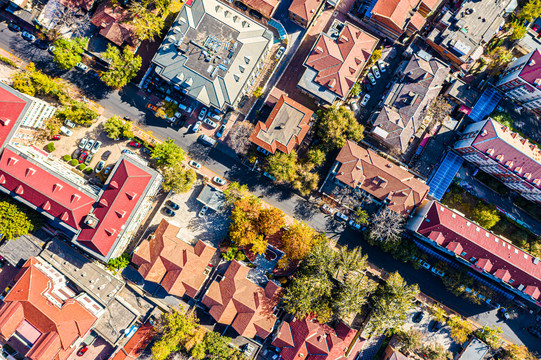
[41, 44]
[169, 211]
[127, 118]
[418, 317]
[106, 155]
[435, 326]
[256, 14]
[126, 151]
[14, 27]
[94, 73]
[535, 331]
[241, 6]
[146, 151]
[172, 205]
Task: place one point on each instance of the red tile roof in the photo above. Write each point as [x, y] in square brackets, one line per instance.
[28, 302]
[292, 118]
[511, 150]
[360, 167]
[125, 188]
[245, 305]
[137, 343]
[305, 9]
[339, 62]
[265, 7]
[308, 339]
[396, 13]
[113, 21]
[175, 264]
[11, 108]
[492, 254]
[531, 72]
[43, 189]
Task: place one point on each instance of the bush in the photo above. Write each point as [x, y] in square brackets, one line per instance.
[7, 61]
[67, 157]
[74, 162]
[50, 147]
[240, 256]
[89, 170]
[81, 167]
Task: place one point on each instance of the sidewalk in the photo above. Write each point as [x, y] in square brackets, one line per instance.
[483, 192]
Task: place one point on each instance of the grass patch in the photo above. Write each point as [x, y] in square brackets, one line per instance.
[7, 61]
[492, 182]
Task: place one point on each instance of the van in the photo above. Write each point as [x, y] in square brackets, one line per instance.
[185, 108]
[207, 140]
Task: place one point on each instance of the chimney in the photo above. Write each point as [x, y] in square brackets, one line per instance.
[505, 129]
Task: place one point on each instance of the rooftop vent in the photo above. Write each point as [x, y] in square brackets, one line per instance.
[4, 121]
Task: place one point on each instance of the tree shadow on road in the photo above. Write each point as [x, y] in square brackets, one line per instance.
[305, 209]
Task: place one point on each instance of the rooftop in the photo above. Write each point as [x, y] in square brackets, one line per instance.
[464, 93]
[405, 104]
[364, 169]
[396, 14]
[304, 9]
[486, 252]
[211, 52]
[13, 108]
[211, 197]
[531, 72]
[113, 21]
[285, 128]
[475, 350]
[19, 250]
[265, 7]
[137, 343]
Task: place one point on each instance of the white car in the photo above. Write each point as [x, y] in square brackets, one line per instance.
[89, 144]
[202, 113]
[27, 36]
[64, 130]
[210, 123]
[437, 271]
[69, 124]
[81, 67]
[96, 147]
[341, 216]
[82, 143]
[365, 100]
[372, 79]
[375, 70]
[196, 126]
[194, 164]
[280, 52]
[203, 211]
[218, 180]
[381, 66]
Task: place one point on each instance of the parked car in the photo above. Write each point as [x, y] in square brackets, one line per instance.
[169, 211]
[376, 72]
[437, 271]
[435, 326]
[83, 156]
[107, 170]
[127, 118]
[372, 79]
[504, 313]
[89, 159]
[152, 107]
[202, 113]
[269, 175]
[280, 52]
[27, 36]
[206, 140]
[106, 155]
[354, 225]
[51, 49]
[41, 44]
[382, 66]
[196, 126]
[327, 209]
[94, 74]
[216, 117]
[127, 151]
[194, 164]
[64, 130]
[203, 211]
[365, 100]
[55, 137]
[81, 67]
[418, 317]
[69, 124]
[135, 144]
[424, 264]
[14, 27]
[220, 131]
[100, 166]
[263, 151]
[241, 6]
[340, 216]
[218, 180]
[210, 123]
[83, 350]
[146, 151]
[535, 331]
[89, 144]
[248, 349]
[96, 147]
[172, 205]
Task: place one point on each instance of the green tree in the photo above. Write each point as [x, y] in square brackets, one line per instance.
[336, 125]
[168, 153]
[123, 67]
[503, 118]
[297, 240]
[486, 216]
[147, 25]
[316, 157]
[14, 222]
[116, 127]
[435, 351]
[409, 341]
[175, 329]
[361, 216]
[235, 191]
[119, 263]
[386, 228]
[68, 52]
[258, 92]
[78, 112]
[460, 329]
[518, 352]
[50, 147]
[355, 89]
[518, 30]
[283, 166]
[353, 295]
[376, 55]
[490, 335]
[348, 261]
[391, 303]
[530, 11]
[321, 259]
[305, 294]
[178, 178]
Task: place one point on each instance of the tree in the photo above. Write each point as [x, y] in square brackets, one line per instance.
[440, 109]
[50, 147]
[391, 303]
[460, 329]
[116, 127]
[518, 352]
[235, 191]
[178, 178]
[361, 216]
[79, 113]
[239, 137]
[336, 125]
[167, 153]
[530, 11]
[304, 294]
[175, 330]
[491, 336]
[119, 262]
[14, 222]
[123, 67]
[518, 30]
[316, 157]
[355, 89]
[352, 295]
[146, 24]
[500, 58]
[283, 166]
[68, 52]
[409, 341]
[486, 216]
[297, 241]
[321, 259]
[348, 261]
[258, 92]
[435, 351]
[376, 55]
[271, 220]
[386, 228]
[438, 313]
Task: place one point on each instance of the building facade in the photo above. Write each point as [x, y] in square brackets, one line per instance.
[504, 154]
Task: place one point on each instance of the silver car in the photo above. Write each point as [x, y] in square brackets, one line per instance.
[89, 144]
[96, 147]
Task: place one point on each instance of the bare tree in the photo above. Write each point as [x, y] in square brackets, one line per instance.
[440, 109]
[386, 228]
[238, 137]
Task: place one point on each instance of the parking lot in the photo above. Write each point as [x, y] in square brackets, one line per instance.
[99, 350]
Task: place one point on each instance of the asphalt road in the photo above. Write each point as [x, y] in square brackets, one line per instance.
[127, 103]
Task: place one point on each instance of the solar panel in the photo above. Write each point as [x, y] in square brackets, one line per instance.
[443, 175]
[486, 104]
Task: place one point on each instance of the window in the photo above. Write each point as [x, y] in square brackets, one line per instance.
[477, 229]
[487, 235]
[463, 254]
[511, 281]
[472, 259]
[496, 239]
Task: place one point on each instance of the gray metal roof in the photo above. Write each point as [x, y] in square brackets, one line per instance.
[211, 197]
[212, 51]
[308, 84]
[476, 350]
